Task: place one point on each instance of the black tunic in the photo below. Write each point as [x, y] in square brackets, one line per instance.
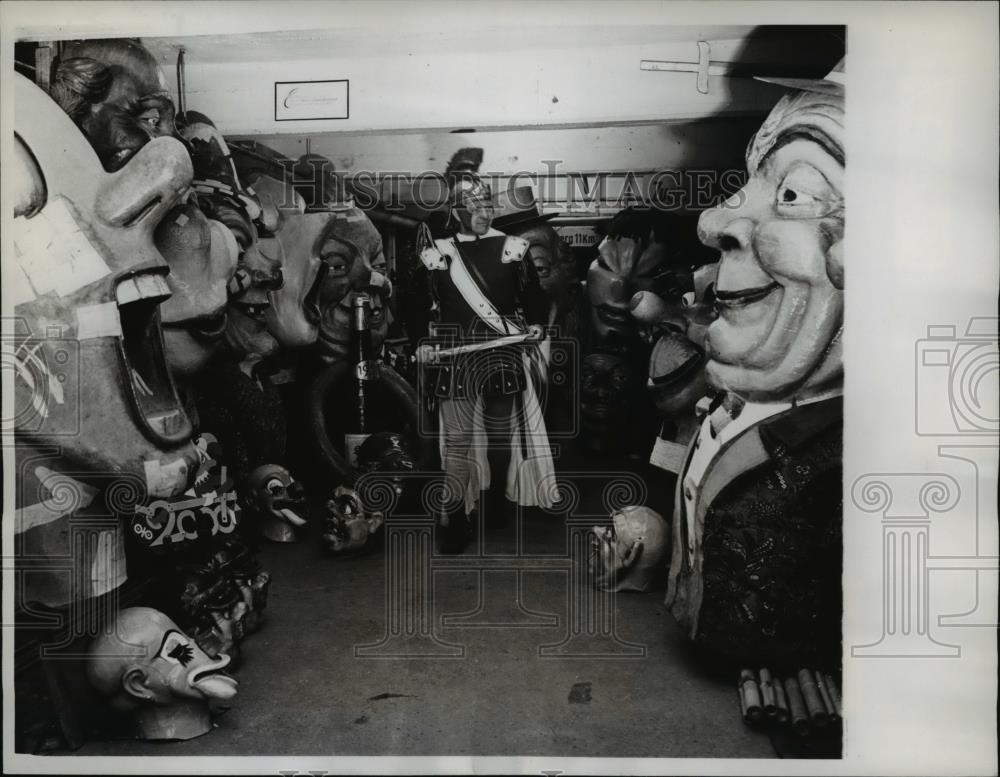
[515, 292]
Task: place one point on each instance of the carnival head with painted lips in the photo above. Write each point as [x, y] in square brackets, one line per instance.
[88, 284]
[780, 287]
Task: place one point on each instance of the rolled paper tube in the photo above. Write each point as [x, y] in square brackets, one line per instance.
[767, 697]
[824, 694]
[781, 702]
[834, 691]
[796, 707]
[743, 701]
[814, 703]
[751, 694]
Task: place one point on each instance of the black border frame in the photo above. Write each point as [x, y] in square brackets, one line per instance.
[320, 81]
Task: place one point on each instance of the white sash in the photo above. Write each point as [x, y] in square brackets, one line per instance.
[473, 295]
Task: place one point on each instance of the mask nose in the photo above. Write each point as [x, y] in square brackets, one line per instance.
[144, 189]
[619, 290]
[724, 228]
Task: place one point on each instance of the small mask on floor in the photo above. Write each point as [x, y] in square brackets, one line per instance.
[631, 554]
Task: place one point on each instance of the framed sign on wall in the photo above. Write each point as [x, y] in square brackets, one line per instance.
[311, 100]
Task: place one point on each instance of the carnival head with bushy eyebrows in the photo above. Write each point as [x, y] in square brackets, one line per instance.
[780, 287]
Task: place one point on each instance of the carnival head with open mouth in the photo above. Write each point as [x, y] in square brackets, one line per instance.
[89, 287]
[780, 288]
[677, 362]
[147, 665]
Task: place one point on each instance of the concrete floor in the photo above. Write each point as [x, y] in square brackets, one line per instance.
[305, 691]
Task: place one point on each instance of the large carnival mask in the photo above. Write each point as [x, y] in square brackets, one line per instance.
[147, 665]
[631, 554]
[625, 264]
[336, 326]
[677, 362]
[88, 282]
[278, 499]
[259, 269]
[202, 256]
[294, 313]
[780, 289]
[115, 91]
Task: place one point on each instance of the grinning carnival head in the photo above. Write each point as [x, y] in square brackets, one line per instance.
[780, 287]
[88, 285]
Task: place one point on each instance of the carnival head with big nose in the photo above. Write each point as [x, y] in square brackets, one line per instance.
[88, 285]
[780, 287]
[116, 93]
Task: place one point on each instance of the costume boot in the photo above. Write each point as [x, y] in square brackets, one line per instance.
[454, 531]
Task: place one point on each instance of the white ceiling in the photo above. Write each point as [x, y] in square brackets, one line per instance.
[284, 46]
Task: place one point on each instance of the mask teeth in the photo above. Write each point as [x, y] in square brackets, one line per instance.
[140, 287]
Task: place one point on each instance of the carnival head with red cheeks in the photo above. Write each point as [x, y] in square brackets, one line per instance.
[780, 288]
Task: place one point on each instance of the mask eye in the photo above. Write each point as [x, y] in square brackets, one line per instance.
[540, 258]
[805, 193]
[176, 648]
[274, 485]
[332, 254]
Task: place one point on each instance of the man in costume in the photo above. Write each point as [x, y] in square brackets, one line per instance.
[487, 403]
[755, 576]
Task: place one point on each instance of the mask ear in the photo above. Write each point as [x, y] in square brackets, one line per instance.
[633, 554]
[135, 682]
[835, 264]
